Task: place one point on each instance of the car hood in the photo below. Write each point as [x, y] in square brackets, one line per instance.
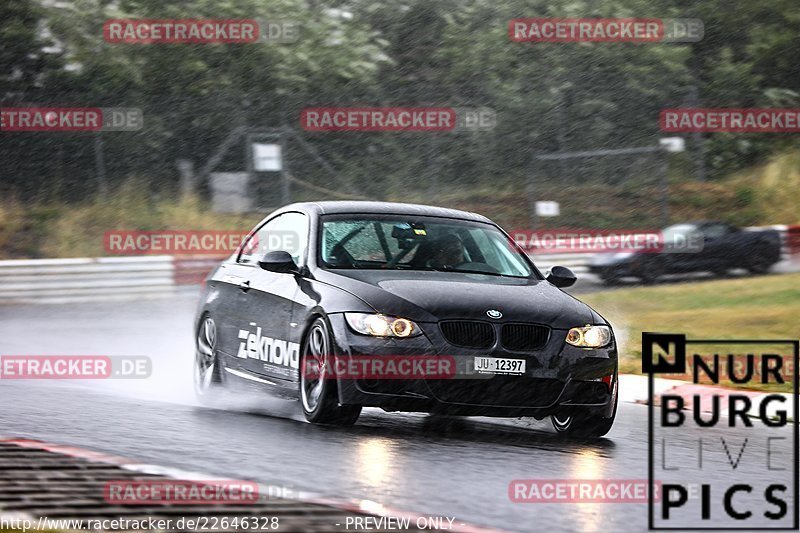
[432, 296]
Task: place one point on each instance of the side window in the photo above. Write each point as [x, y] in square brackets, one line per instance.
[287, 232]
[498, 254]
[715, 231]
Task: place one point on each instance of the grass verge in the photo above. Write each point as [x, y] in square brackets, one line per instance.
[764, 307]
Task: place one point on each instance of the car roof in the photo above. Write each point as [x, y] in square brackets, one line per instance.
[393, 208]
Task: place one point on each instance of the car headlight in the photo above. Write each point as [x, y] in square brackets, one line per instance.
[382, 325]
[623, 255]
[589, 336]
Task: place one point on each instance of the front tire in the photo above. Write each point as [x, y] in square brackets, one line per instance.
[583, 425]
[759, 267]
[318, 394]
[610, 278]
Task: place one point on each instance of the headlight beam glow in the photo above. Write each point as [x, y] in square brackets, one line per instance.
[589, 336]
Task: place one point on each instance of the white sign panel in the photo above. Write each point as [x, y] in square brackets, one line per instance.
[548, 209]
[267, 157]
[672, 144]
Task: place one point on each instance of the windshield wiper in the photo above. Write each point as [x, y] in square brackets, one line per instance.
[467, 271]
[476, 272]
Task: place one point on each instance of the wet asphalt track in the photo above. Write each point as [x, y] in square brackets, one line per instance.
[428, 465]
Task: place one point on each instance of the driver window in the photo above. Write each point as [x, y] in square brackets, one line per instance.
[287, 232]
[715, 231]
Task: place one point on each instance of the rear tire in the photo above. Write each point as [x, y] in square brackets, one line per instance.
[206, 371]
[318, 394]
[649, 274]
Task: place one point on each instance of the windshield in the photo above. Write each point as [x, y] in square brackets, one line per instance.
[675, 232]
[397, 243]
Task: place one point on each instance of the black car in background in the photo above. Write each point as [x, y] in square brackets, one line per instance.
[316, 286]
[714, 247]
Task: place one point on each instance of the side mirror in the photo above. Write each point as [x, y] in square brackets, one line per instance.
[279, 261]
[561, 277]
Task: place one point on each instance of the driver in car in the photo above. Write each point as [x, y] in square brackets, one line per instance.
[448, 252]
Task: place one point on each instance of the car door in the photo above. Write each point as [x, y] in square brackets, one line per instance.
[228, 284]
[679, 254]
[717, 246]
[266, 300]
[733, 248]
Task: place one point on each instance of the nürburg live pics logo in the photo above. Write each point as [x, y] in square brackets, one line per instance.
[725, 454]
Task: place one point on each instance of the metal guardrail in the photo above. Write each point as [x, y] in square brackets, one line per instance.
[578, 263]
[193, 270]
[71, 280]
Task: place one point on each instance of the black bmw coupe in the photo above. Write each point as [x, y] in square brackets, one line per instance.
[344, 305]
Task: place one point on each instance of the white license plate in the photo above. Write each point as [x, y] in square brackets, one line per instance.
[497, 365]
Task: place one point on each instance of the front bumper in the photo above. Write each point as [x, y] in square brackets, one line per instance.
[557, 377]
